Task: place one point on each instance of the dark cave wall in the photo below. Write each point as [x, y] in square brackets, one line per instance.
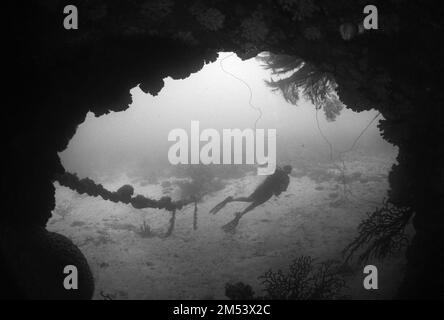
[57, 76]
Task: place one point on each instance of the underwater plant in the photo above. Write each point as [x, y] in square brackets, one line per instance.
[299, 78]
[383, 233]
[145, 230]
[305, 280]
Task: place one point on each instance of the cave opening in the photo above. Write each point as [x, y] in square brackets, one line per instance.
[125, 43]
[336, 180]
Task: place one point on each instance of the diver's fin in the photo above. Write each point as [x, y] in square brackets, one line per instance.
[230, 227]
[221, 205]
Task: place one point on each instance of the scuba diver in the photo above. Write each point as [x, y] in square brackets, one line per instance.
[274, 184]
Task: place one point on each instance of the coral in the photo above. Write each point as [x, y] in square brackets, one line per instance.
[297, 77]
[305, 280]
[381, 234]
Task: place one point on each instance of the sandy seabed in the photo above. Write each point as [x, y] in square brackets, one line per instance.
[311, 218]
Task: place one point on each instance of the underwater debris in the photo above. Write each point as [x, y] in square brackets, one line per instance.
[383, 232]
[123, 194]
[305, 280]
[172, 223]
[195, 216]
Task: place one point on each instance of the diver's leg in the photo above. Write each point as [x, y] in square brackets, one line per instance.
[227, 200]
[242, 199]
[221, 205]
[231, 226]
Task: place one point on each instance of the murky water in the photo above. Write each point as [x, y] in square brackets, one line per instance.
[317, 216]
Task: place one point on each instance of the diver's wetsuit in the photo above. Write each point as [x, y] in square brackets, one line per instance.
[274, 184]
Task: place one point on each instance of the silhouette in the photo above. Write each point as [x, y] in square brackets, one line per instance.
[274, 184]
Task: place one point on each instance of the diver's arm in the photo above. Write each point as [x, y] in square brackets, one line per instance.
[286, 184]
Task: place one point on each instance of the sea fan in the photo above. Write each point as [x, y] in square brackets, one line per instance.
[305, 280]
[382, 233]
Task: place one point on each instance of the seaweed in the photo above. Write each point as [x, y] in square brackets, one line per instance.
[145, 230]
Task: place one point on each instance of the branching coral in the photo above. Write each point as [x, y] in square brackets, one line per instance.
[383, 233]
[305, 280]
